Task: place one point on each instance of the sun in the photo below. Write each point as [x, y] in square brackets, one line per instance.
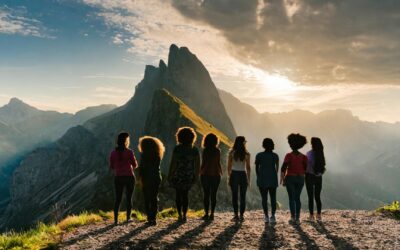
[274, 82]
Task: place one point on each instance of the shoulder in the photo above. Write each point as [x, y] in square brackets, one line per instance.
[195, 150]
[275, 155]
[309, 153]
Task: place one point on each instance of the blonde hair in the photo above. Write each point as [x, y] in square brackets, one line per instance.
[151, 147]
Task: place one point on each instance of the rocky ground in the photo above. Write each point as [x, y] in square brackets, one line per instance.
[338, 230]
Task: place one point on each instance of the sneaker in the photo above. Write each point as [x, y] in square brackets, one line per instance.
[272, 219]
[235, 217]
[211, 217]
[266, 220]
[205, 217]
[297, 222]
[319, 217]
[292, 221]
[184, 219]
[242, 217]
[153, 223]
[180, 218]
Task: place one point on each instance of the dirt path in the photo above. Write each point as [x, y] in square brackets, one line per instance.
[339, 230]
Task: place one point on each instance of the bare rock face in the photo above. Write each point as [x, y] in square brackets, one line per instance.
[72, 175]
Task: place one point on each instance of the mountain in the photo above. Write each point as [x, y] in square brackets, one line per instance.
[362, 157]
[23, 127]
[71, 175]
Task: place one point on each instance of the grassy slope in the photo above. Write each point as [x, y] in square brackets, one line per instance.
[202, 126]
[49, 236]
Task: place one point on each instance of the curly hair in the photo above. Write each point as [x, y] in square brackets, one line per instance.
[296, 141]
[186, 136]
[151, 147]
[210, 141]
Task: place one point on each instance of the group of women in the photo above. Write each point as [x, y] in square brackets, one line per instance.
[187, 166]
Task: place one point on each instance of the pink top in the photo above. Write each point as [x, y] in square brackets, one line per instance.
[297, 164]
[123, 163]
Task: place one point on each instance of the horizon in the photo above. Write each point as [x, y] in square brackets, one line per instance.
[96, 53]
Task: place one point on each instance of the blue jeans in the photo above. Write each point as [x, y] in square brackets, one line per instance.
[294, 186]
[238, 182]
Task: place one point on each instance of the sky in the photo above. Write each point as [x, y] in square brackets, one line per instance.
[277, 55]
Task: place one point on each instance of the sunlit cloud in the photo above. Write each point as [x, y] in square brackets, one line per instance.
[13, 21]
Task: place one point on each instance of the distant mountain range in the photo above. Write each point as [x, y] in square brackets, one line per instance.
[71, 174]
[362, 157]
[23, 128]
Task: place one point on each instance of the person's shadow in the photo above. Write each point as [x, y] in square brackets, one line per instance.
[338, 242]
[310, 243]
[268, 239]
[224, 239]
[185, 239]
[93, 233]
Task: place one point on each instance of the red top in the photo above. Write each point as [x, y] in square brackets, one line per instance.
[211, 164]
[123, 163]
[297, 164]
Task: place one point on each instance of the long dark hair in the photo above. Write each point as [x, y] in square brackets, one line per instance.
[319, 157]
[121, 141]
[210, 146]
[239, 149]
[151, 148]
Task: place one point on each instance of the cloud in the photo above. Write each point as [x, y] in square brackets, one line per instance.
[312, 40]
[14, 22]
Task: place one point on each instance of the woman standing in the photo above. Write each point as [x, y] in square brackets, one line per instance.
[122, 163]
[184, 168]
[267, 165]
[152, 152]
[210, 173]
[239, 175]
[292, 175]
[315, 169]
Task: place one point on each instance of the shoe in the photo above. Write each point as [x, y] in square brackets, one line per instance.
[153, 223]
[235, 217]
[319, 217]
[211, 217]
[297, 222]
[311, 217]
[266, 220]
[184, 219]
[242, 217]
[292, 221]
[115, 223]
[272, 219]
[205, 217]
[180, 218]
[128, 221]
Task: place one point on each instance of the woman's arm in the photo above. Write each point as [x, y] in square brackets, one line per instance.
[248, 168]
[283, 172]
[197, 163]
[172, 165]
[132, 160]
[277, 163]
[219, 163]
[230, 159]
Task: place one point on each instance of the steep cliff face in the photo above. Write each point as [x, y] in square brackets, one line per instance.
[79, 166]
[166, 115]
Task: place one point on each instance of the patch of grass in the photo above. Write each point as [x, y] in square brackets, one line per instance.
[74, 221]
[391, 209]
[43, 236]
[49, 236]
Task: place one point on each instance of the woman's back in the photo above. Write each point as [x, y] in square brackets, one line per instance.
[122, 162]
[211, 163]
[266, 164]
